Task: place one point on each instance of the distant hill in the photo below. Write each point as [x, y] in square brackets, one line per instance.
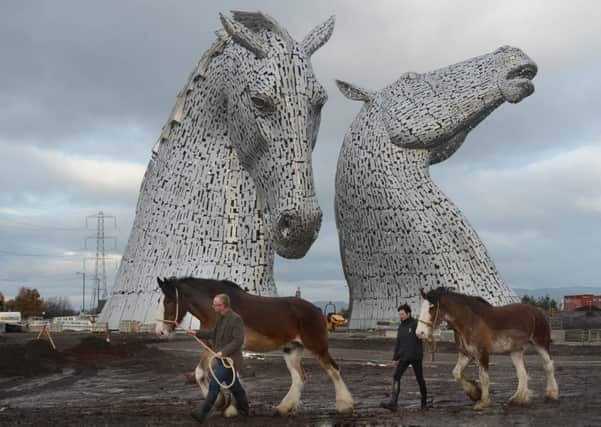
[558, 293]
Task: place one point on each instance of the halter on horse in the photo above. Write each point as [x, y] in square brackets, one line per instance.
[481, 329]
[270, 324]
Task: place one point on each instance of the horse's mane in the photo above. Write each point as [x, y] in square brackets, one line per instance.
[256, 21]
[192, 280]
[463, 299]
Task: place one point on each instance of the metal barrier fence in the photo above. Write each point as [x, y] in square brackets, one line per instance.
[582, 335]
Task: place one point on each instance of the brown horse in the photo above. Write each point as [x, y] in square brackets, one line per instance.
[290, 323]
[481, 329]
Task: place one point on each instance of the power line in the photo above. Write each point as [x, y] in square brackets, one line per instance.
[100, 294]
[16, 254]
[25, 224]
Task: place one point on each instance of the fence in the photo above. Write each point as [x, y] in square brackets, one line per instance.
[581, 335]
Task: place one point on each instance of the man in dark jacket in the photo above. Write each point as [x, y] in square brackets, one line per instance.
[227, 336]
[407, 351]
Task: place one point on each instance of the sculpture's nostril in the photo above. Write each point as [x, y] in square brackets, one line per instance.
[284, 224]
[284, 221]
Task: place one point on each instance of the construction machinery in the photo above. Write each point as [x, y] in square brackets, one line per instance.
[333, 318]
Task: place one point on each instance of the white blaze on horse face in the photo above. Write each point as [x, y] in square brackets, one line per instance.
[423, 330]
[161, 328]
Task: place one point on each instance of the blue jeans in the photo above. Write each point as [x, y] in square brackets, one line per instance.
[225, 377]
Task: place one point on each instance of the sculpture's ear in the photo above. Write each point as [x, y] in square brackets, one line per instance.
[318, 36]
[244, 37]
[354, 92]
[421, 291]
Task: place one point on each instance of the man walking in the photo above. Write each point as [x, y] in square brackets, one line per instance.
[227, 337]
[407, 351]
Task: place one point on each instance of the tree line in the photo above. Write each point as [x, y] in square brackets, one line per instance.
[29, 302]
[546, 303]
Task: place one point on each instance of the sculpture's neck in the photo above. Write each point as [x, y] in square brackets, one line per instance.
[204, 202]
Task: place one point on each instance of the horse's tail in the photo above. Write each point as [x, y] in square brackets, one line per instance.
[542, 331]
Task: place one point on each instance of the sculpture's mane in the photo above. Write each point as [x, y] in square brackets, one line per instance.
[255, 22]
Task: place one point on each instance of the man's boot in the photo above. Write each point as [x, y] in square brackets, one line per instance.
[201, 413]
[424, 402]
[391, 405]
[242, 405]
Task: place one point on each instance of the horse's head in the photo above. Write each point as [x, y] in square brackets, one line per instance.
[274, 103]
[171, 309]
[436, 110]
[429, 314]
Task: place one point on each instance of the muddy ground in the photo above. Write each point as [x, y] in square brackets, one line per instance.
[139, 381]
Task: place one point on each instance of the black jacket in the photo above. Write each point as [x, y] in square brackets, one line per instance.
[408, 347]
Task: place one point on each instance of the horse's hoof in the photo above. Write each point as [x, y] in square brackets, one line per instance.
[285, 412]
[519, 400]
[230, 412]
[481, 405]
[344, 410]
[345, 407]
[552, 396]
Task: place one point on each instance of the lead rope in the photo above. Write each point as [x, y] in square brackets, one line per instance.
[228, 362]
[430, 345]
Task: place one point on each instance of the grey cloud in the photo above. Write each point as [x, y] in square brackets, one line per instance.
[98, 79]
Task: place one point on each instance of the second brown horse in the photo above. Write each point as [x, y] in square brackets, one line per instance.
[480, 330]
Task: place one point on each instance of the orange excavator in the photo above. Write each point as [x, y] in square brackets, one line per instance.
[333, 318]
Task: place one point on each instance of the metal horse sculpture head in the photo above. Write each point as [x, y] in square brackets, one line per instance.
[436, 110]
[273, 105]
[398, 231]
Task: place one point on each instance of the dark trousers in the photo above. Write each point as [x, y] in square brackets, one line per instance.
[225, 377]
[419, 374]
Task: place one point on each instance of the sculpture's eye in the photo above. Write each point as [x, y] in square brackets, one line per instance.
[319, 102]
[262, 103]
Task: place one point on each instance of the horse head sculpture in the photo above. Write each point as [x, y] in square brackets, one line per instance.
[273, 103]
[436, 110]
[398, 231]
[230, 181]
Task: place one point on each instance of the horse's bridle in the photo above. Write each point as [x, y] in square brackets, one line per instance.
[174, 322]
[433, 323]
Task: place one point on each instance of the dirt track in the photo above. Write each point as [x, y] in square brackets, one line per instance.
[139, 381]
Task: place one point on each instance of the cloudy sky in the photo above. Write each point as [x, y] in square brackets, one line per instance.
[86, 87]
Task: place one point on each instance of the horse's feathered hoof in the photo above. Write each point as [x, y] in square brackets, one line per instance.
[231, 411]
[344, 409]
[286, 412]
[519, 399]
[481, 405]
